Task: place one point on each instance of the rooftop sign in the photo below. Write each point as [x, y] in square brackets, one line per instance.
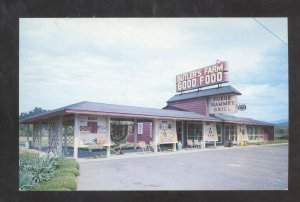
[225, 103]
[206, 76]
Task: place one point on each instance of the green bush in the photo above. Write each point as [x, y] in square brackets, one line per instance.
[64, 178]
[34, 169]
[284, 137]
[25, 180]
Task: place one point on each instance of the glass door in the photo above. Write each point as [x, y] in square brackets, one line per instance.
[219, 133]
[231, 133]
[195, 131]
[179, 130]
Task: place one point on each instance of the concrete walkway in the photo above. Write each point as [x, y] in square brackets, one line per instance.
[263, 167]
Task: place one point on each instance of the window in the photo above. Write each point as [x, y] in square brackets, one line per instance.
[219, 132]
[230, 132]
[179, 130]
[140, 128]
[92, 126]
[195, 131]
[254, 132]
[92, 118]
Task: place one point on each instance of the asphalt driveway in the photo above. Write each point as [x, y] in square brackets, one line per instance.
[249, 168]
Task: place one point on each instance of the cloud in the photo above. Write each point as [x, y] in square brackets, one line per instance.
[134, 61]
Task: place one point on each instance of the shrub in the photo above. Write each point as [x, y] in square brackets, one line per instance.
[25, 180]
[284, 137]
[64, 178]
[34, 169]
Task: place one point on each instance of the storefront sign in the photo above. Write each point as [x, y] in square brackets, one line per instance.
[210, 75]
[93, 129]
[210, 132]
[242, 107]
[167, 132]
[82, 123]
[222, 104]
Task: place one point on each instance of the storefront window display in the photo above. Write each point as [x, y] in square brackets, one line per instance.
[254, 132]
[219, 133]
[195, 131]
[231, 132]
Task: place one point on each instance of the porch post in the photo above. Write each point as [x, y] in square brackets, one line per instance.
[154, 134]
[76, 135]
[40, 130]
[60, 134]
[174, 144]
[65, 138]
[135, 134]
[203, 134]
[182, 131]
[48, 135]
[34, 135]
[108, 137]
[238, 134]
[223, 133]
[27, 132]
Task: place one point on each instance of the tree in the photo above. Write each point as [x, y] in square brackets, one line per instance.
[23, 115]
[36, 110]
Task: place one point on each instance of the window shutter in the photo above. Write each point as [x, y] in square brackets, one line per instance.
[140, 128]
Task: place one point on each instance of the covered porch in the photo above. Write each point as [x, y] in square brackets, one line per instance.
[103, 128]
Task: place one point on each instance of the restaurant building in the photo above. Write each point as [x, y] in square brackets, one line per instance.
[201, 116]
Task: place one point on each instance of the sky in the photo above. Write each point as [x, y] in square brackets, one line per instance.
[134, 61]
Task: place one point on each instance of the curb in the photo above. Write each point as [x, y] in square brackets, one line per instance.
[141, 155]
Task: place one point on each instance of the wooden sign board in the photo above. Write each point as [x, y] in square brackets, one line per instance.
[167, 131]
[210, 132]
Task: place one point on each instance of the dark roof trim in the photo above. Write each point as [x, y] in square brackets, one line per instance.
[241, 120]
[138, 115]
[42, 116]
[249, 123]
[45, 115]
[117, 110]
[205, 93]
[170, 107]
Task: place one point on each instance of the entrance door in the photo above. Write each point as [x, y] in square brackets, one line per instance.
[231, 133]
[195, 131]
[219, 133]
[179, 130]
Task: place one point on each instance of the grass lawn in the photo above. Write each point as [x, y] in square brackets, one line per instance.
[64, 178]
[23, 139]
[269, 142]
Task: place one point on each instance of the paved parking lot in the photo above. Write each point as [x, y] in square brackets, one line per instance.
[248, 168]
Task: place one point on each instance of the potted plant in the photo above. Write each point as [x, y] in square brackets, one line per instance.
[179, 145]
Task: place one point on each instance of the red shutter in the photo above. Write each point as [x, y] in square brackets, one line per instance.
[92, 126]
